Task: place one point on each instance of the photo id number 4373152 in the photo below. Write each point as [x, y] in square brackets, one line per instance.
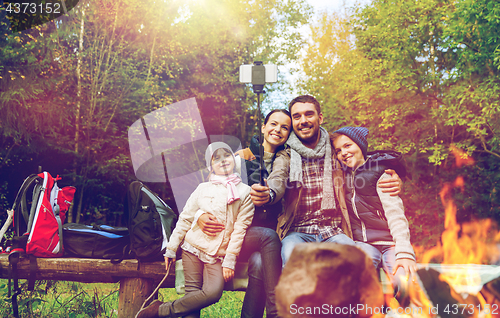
[33, 8]
[470, 309]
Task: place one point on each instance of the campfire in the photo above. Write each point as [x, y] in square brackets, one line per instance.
[455, 278]
[463, 284]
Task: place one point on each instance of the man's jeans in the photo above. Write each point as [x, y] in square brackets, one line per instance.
[262, 246]
[294, 238]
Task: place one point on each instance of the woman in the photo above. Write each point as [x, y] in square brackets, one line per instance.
[261, 245]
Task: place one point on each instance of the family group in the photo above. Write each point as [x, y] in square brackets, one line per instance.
[321, 187]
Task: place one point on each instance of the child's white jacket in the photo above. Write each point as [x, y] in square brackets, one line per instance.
[236, 217]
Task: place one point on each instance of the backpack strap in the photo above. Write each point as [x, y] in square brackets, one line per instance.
[59, 223]
[32, 276]
[245, 154]
[13, 274]
[126, 253]
[34, 206]
[20, 205]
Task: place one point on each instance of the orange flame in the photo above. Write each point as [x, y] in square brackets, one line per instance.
[464, 244]
[461, 244]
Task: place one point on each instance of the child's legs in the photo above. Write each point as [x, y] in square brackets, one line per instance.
[372, 252]
[388, 260]
[204, 286]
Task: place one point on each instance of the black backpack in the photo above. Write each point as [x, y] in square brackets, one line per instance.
[150, 223]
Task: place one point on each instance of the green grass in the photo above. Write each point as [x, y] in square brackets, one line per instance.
[79, 300]
[229, 306]
[62, 299]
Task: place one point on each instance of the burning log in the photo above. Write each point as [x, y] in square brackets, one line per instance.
[464, 291]
[329, 280]
[491, 295]
[443, 297]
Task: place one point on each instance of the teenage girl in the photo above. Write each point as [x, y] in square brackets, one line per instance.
[378, 221]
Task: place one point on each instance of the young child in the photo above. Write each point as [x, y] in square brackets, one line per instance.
[208, 261]
[378, 222]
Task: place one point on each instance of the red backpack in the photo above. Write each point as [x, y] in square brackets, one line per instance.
[39, 211]
[41, 226]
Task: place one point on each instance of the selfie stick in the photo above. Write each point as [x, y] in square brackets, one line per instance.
[258, 75]
[258, 82]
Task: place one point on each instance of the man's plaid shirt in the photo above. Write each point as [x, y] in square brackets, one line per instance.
[310, 218]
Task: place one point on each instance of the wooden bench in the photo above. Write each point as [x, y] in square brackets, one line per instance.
[137, 279]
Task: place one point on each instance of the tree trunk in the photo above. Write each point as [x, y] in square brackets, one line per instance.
[80, 200]
[78, 104]
[151, 58]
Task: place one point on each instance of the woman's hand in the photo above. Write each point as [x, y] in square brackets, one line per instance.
[393, 186]
[227, 273]
[260, 194]
[167, 261]
[209, 224]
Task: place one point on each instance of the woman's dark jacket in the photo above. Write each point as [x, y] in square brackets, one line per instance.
[265, 216]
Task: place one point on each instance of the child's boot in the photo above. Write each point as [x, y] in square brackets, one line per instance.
[150, 311]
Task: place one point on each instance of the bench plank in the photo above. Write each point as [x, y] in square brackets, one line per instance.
[88, 270]
[137, 279]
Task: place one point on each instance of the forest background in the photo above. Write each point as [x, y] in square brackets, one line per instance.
[422, 75]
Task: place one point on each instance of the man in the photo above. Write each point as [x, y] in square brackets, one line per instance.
[311, 182]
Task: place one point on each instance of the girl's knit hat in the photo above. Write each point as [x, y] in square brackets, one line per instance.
[212, 148]
[358, 135]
